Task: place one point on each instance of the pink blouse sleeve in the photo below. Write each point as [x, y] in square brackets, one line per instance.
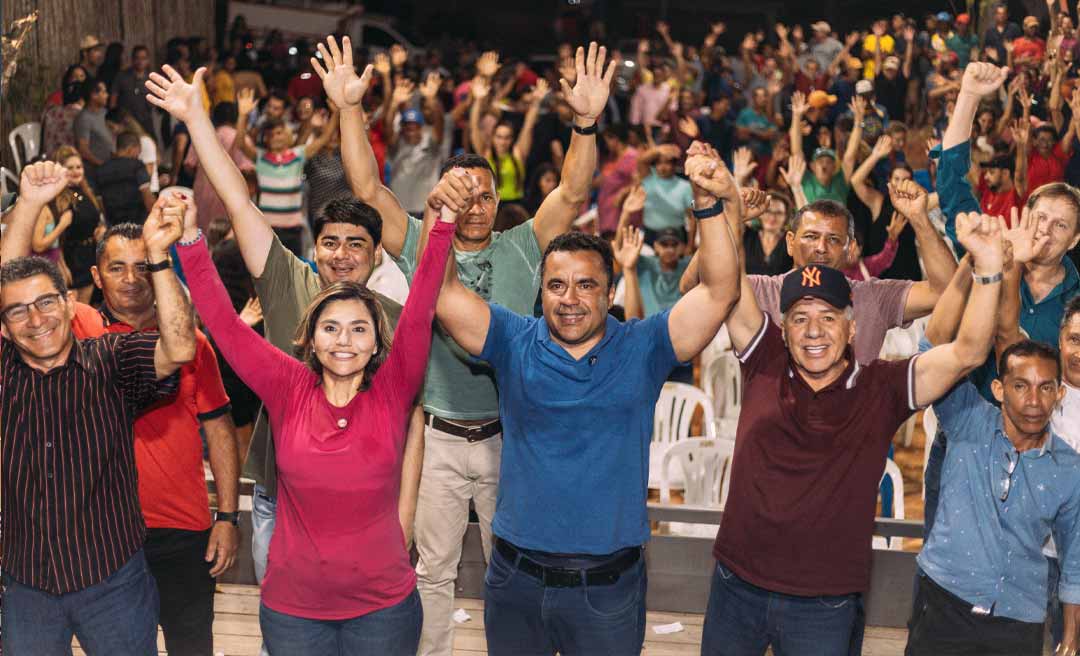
[883, 259]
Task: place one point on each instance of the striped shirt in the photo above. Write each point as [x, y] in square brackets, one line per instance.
[281, 180]
[70, 496]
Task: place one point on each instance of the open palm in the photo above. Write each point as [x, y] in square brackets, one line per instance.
[589, 95]
[343, 86]
[183, 100]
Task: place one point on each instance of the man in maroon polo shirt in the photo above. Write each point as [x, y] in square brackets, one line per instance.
[793, 551]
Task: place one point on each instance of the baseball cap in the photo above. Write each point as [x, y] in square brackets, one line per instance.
[892, 61]
[412, 116]
[818, 99]
[89, 41]
[823, 152]
[821, 26]
[854, 62]
[944, 16]
[963, 19]
[864, 86]
[815, 281]
[671, 234]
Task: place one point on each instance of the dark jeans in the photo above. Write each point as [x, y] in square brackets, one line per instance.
[116, 617]
[743, 620]
[292, 239]
[1054, 610]
[177, 561]
[523, 617]
[942, 624]
[393, 631]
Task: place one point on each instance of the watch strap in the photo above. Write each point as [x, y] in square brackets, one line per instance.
[231, 517]
[709, 212]
[592, 129]
[987, 280]
[154, 267]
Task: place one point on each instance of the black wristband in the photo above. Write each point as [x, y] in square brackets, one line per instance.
[152, 267]
[230, 517]
[592, 129]
[710, 212]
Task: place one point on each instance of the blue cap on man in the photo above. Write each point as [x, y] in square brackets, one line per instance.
[412, 115]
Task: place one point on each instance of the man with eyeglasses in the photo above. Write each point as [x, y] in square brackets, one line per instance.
[1009, 482]
[73, 534]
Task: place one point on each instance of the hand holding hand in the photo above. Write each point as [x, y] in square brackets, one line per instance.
[909, 198]
[755, 202]
[589, 95]
[456, 191]
[165, 225]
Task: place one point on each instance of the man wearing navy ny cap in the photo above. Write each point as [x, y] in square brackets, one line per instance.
[793, 551]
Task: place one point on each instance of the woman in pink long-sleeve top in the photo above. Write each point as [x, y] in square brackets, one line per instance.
[339, 579]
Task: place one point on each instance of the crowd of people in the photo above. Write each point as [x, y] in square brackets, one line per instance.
[394, 287]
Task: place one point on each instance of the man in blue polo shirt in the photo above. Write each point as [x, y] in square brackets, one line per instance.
[577, 390]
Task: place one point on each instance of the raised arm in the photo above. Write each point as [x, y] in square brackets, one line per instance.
[882, 260]
[798, 109]
[399, 98]
[909, 51]
[587, 98]
[937, 370]
[945, 319]
[793, 175]
[628, 243]
[429, 92]
[332, 125]
[245, 102]
[346, 90]
[176, 321]
[1021, 134]
[910, 199]
[464, 315]
[860, 179]
[699, 314]
[523, 144]
[480, 90]
[858, 110]
[1023, 242]
[39, 184]
[184, 102]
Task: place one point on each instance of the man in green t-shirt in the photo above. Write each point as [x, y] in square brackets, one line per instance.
[463, 433]
[823, 178]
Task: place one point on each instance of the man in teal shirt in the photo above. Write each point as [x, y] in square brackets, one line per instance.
[668, 198]
[823, 179]
[962, 40]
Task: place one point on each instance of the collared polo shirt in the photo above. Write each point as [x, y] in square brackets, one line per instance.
[800, 514]
[988, 551]
[168, 447]
[576, 433]
[70, 499]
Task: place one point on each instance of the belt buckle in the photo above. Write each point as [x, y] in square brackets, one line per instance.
[559, 577]
[474, 432]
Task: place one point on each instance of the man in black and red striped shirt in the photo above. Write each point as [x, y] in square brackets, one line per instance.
[73, 532]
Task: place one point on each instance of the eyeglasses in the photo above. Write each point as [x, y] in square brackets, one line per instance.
[1006, 484]
[46, 304]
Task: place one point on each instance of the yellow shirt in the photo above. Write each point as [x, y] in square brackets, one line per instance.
[205, 95]
[869, 45]
[511, 178]
[224, 89]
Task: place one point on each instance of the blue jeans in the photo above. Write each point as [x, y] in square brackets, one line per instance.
[393, 631]
[263, 518]
[743, 620]
[116, 617]
[523, 617]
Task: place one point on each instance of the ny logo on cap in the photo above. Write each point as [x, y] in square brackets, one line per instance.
[811, 277]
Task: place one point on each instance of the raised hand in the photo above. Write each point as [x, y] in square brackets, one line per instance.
[252, 313]
[635, 200]
[343, 87]
[456, 191]
[539, 91]
[795, 171]
[858, 108]
[981, 236]
[567, 70]
[718, 28]
[896, 226]
[182, 100]
[981, 79]
[755, 201]
[677, 50]
[403, 92]
[431, 85]
[798, 105]
[709, 174]
[628, 243]
[1021, 133]
[851, 39]
[164, 225]
[589, 95]
[742, 160]
[40, 183]
[245, 101]
[882, 147]
[909, 198]
[382, 64]
[488, 64]
[781, 31]
[1024, 236]
[398, 55]
[931, 143]
[663, 29]
[909, 34]
[480, 87]
[689, 127]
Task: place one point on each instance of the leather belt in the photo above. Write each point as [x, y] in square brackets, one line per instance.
[561, 577]
[477, 433]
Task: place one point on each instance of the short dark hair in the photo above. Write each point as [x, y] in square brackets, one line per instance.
[127, 139]
[579, 241]
[467, 161]
[139, 48]
[224, 113]
[273, 124]
[1045, 128]
[22, 268]
[828, 208]
[90, 87]
[130, 231]
[351, 211]
[1072, 308]
[73, 92]
[1029, 348]
[279, 94]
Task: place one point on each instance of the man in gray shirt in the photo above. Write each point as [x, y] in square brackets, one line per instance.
[92, 134]
[129, 89]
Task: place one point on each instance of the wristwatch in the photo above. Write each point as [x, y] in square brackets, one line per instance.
[987, 280]
[154, 267]
[592, 129]
[231, 517]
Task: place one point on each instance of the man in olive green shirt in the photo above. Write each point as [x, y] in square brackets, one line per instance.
[463, 437]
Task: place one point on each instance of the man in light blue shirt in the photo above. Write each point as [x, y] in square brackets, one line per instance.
[668, 198]
[577, 391]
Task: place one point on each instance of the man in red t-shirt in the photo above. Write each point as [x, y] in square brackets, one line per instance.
[997, 193]
[1046, 158]
[794, 547]
[1029, 49]
[185, 549]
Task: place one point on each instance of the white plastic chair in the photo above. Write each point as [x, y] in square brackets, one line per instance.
[930, 427]
[892, 472]
[705, 466]
[671, 422]
[9, 182]
[721, 380]
[30, 134]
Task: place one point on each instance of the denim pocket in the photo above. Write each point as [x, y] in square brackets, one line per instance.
[620, 597]
[723, 572]
[834, 602]
[499, 572]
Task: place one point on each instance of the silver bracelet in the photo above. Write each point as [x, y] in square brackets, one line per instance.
[198, 236]
[987, 280]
